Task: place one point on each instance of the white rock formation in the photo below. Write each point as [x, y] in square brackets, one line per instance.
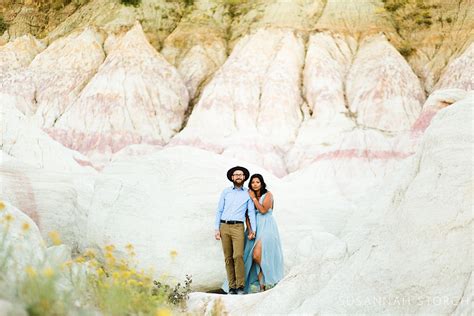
[251, 108]
[21, 139]
[167, 203]
[417, 258]
[56, 200]
[15, 81]
[21, 241]
[375, 190]
[135, 97]
[458, 73]
[351, 17]
[382, 90]
[50, 183]
[355, 111]
[19, 53]
[21, 248]
[197, 47]
[79, 56]
[438, 100]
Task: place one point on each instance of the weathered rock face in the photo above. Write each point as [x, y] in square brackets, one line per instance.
[198, 47]
[352, 17]
[80, 55]
[19, 53]
[458, 74]
[20, 232]
[151, 206]
[365, 171]
[135, 97]
[52, 198]
[253, 102]
[382, 90]
[427, 219]
[48, 182]
[427, 207]
[248, 16]
[431, 34]
[359, 96]
[27, 143]
[15, 56]
[158, 18]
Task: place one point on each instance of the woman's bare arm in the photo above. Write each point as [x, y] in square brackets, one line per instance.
[267, 203]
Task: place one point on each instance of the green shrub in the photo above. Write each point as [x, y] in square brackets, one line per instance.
[3, 25]
[406, 50]
[177, 295]
[80, 2]
[134, 3]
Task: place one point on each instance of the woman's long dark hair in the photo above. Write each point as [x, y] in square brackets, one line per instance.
[263, 188]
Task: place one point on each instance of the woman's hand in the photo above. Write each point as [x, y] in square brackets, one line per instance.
[252, 194]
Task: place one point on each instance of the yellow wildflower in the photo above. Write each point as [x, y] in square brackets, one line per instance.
[90, 253]
[67, 264]
[30, 271]
[126, 274]
[25, 227]
[45, 304]
[80, 259]
[93, 263]
[109, 248]
[100, 272]
[110, 261]
[9, 218]
[173, 254]
[129, 247]
[163, 312]
[109, 255]
[48, 272]
[2, 205]
[55, 237]
[116, 275]
[132, 282]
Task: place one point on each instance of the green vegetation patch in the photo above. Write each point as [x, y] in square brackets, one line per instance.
[134, 3]
[3, 25]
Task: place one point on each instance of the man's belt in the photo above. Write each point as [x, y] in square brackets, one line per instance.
[231, 222]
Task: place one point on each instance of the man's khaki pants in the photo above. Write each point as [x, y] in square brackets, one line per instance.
[232, 237]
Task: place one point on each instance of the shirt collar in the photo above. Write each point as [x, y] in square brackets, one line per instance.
[242, 188]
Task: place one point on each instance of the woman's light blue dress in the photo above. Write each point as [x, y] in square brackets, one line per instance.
[272, 256]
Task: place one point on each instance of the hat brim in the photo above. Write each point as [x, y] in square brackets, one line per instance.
[232, 170]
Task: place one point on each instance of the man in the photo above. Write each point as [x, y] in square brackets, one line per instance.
[229, 226]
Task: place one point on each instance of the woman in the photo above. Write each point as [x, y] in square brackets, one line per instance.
[263, 256]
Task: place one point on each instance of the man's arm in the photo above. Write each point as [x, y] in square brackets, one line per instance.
[220, 209]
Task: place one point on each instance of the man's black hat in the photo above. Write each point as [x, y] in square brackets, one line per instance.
[232, 170]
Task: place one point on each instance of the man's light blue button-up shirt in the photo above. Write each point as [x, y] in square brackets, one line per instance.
[233, 204]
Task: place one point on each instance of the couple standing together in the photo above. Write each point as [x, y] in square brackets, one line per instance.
[252, 257]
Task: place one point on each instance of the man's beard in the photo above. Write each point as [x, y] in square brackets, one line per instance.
[240, 183]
